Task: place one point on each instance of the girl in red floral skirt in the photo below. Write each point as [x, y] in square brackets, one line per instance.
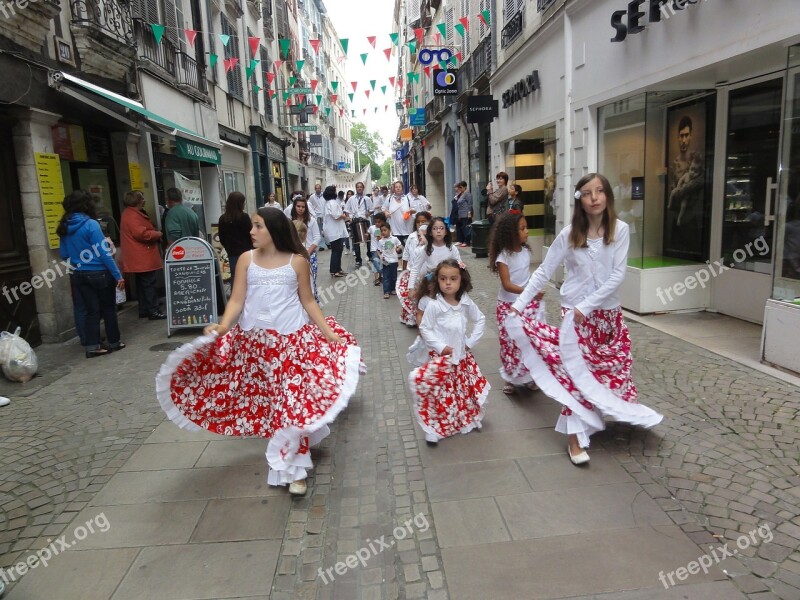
[408, 305]
[587, 363]
[449, 389]
[510, 258]
[283, 372]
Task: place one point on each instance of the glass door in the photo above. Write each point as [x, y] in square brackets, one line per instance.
[751, 176]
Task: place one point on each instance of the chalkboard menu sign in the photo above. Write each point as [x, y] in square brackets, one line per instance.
[191, 284]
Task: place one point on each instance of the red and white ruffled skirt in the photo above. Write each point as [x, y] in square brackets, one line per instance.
[583, 367]
[261, 383]
[448, 397]
[408, 306]
[512, 368]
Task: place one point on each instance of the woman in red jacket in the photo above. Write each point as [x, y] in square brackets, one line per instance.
[140, 242]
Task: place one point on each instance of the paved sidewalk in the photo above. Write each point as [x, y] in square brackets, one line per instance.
[499, 513]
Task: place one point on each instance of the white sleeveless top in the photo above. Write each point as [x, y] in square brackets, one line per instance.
[272, 301]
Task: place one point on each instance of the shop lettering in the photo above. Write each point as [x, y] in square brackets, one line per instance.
[201, 152]
[521, 89]
[657, 10]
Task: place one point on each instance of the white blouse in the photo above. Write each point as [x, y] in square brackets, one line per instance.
[422, 264]
[395, 208]
[413, 244]
[313, 236]
[334, 228]
[446, 325]
[594, 274]
[519, 269]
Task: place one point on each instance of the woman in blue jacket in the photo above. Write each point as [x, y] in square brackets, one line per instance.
[94, 273]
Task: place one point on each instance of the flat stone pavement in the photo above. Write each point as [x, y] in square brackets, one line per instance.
[149, 511]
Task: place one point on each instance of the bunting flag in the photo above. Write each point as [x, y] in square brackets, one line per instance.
[388, 53]
[256, 89]
[230, 63]
[254, 42]
[465, 22]
[314, 109]
[314, 45]
[354, 84]
[191, 34]
[367, 93]
[284, 47]
[372, 83]
[301, 98]
[416, 99]
[344, 42]
[319, 99]
[408, 101]
[442, 29]
[427, 71]
[328, 112]
[395, 37]
[292, 81]
[383, 89]
[277, 64]
[270, 77]
[371, 40]
[364, 58]
[212, 60]
[399, 82]
[341, 59]
[365, 112]
[459, 28]
[335, 85]
[271, 94]
[334, 98]
[376, 109]
[158, 32]
[391, 81]
[299, 64]
[412, 47]
[438, 39]
[458, 56]
[351, 97]
[419, 32]
[314, 83]
[224, 39]
[341, 112]
[485, 17]
[385, 108]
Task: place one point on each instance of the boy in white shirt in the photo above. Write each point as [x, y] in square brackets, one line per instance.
[389, 247]
[374, 237]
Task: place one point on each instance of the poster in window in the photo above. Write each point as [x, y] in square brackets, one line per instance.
[687, 207]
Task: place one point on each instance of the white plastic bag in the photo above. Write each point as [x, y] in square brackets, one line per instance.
[17, 357]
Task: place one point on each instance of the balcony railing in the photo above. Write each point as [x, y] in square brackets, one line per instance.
[482, 59]
[543, 5]
[108, 16]
[512, 30]
[191, 73]
[180, 65]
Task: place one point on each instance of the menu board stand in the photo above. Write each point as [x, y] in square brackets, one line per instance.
[191, 274]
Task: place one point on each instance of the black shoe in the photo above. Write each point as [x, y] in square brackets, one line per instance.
[358, 265]
[431, 444]
[156, 316]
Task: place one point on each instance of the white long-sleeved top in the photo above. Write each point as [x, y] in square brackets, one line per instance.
[313, 236]
[446, 325]
[334, 227]
[395, 207]
[358, 207]
[422, 264]
[316, 205]
[413, 244]
[594, 274]
[419, 203]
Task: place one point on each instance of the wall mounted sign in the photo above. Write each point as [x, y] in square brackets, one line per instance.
[481, 109]
[427, 56]
[656, 10]
[51, 192]
[521, 89]
[416, 117]
[445, 83]
[194, 151]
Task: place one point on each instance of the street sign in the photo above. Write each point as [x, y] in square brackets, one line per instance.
[307, 90]
[445, 83]
[416, 117]
[303, 127]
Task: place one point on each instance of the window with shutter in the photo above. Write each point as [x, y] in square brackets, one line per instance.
[170, 22]
[465, 10]
[448, 24]
[509, 9]
[484, 5]
[264, 66]
[234, 76]
[413, 10]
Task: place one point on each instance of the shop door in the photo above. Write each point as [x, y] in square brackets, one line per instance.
[749, 200]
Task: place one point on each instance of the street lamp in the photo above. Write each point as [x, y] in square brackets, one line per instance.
[398, 107]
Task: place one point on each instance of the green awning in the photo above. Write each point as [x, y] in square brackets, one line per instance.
[199, 148]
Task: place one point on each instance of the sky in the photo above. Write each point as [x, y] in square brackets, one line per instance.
[356, 21]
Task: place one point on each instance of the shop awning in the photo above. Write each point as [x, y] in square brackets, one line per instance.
[293, 168]
[189, 144]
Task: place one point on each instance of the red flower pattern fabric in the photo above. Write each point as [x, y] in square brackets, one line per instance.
[513, 370]
[408, 306]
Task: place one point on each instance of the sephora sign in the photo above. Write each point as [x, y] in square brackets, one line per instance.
[631, 21]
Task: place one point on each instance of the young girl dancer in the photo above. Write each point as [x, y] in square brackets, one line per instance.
[449, 389]
[587, 363]
[300, 212]
[408, 308]
[438, 247]
[510, 258]
[283, 372]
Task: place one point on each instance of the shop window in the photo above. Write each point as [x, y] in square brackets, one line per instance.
[234, 182]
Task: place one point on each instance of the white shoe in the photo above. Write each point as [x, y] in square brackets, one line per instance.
[298, 488]
[578, 459]
[4, 401]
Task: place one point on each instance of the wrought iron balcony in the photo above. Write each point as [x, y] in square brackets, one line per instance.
[482, 59]
[512, 30]
[543, 5]
[185, 69]
[109, 17]
[191, 73]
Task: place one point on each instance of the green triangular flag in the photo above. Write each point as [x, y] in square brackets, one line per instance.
[248, 73]
[383, 89]
[300, 64]
[372, 82]
[486, 17]
[353, 112]
[292, 80]
[254, 63]
[158, 31]
[410, 76]
[395, 38]
[459, 28]
[443, 66]
[286, 96]
[442, 29]
[328, 112]
[212, 60]
[284, 47]
[412, 46]
[351, 97]
[319, 98]
[344, 42]
[224, 39]
[256, 89]
[335, 86]
[416, 99]
[364, 58]
[376, 109]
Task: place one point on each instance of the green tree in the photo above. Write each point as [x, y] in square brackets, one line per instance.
[386, 172]
[368, 145]
[376, 170]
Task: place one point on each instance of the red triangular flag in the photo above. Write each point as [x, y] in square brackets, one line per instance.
[458, 56]
[254, 42]
[365, 111]
[391, 81]
[438, 38]
[465, 22]
[334, 98]
[354, 84]
[388, 53]
[230, 63]
[314, 83]
[419, 32]
[191, 34]
[385, 108]
[314, 45]
[371, 40]
[400, 82]
[483, 19]
[315, 109]
[408, 101]
[270, 77]
[427, 71]
[367, 93]
[277, 64]
[271, 94]
[301, 97]
[341, 112]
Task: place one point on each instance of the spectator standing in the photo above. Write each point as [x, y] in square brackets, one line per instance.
[234, 230]
[180, 221]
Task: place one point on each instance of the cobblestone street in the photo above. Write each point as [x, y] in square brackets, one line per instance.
[497, 513]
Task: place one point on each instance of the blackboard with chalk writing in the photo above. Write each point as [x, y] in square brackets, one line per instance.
[191, 284]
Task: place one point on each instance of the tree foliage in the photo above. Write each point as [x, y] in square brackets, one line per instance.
[386, 173]
[367, 142]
